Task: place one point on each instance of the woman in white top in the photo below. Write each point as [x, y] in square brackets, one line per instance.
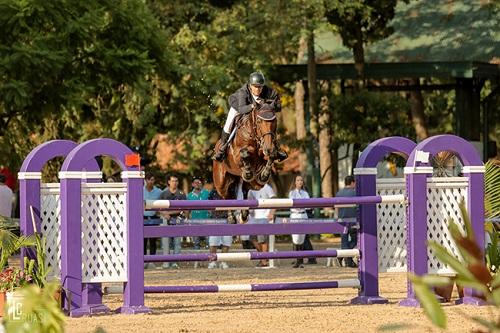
[298, 192]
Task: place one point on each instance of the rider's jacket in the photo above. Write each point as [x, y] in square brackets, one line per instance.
[242, 99]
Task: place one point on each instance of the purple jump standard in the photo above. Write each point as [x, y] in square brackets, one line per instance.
[347, 283]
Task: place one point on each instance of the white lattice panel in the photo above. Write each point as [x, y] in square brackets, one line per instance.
[104, 232]
[50, 227]
[443, 198]
[391, 227]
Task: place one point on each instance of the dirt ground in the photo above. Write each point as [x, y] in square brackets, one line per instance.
[325, 310]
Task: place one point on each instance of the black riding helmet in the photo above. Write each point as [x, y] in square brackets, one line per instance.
[257, 79]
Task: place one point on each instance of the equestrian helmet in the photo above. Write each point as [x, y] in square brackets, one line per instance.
[257, 79]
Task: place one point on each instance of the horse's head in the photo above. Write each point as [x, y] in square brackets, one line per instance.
[265, 128]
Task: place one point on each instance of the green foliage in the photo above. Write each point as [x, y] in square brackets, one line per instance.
[493, 252]
[360, 22]
[36, 268]
[71, 69]
[492, 209]
[471, 272]
[41, 312]
[11, 244]
[492, 188]
[366, 116]
[361, 19]
[129, 70]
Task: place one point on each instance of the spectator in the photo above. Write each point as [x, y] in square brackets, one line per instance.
[172, 192]
[218, 241]
[6, 196]
[261, 242]
[308, 245]
[151, 192]
[198, 193]
[298, 192]
[349, 239]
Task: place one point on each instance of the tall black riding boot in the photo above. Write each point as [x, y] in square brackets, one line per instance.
[282, 155]
[300, 261]
[308, 247]
[220, 154]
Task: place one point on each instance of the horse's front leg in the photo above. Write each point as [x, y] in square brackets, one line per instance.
[266, 172]
[246, 169]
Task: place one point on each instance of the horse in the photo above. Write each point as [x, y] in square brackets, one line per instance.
[250, 155]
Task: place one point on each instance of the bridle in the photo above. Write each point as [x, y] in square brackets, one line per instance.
[260, 139]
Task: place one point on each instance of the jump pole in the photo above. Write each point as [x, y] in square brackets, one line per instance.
[251, 255]
[268, 203]
[347, 283]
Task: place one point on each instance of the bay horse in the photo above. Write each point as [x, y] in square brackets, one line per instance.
[250, 155]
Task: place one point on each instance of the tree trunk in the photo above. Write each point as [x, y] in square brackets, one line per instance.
[359, 63]
[417, 112]
[325, 138]
[358, 52]
[335, 172]
[312, 90]
[300, 114]
[300, 123]
[313, 111]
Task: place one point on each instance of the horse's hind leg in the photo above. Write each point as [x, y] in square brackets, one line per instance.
[246, 170]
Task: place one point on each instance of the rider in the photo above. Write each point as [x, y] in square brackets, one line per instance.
[252, 95]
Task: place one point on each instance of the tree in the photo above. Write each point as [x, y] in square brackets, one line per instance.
[73, 69]
[360, 23]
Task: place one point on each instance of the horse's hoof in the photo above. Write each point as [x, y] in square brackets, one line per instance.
[262, 180]
[244, 153]
[247, 176]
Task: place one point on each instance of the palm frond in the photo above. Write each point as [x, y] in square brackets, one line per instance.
[492, 189]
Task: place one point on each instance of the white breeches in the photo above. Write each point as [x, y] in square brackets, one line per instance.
[230, 119]
[220, 240]
[298, 239]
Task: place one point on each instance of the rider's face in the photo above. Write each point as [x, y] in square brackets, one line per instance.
[255, 90]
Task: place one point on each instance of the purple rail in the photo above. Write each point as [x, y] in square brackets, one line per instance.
[250, 255]
[284, 220]
[335, 226]
[349, 283]
[240, 229]
[267, 203]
